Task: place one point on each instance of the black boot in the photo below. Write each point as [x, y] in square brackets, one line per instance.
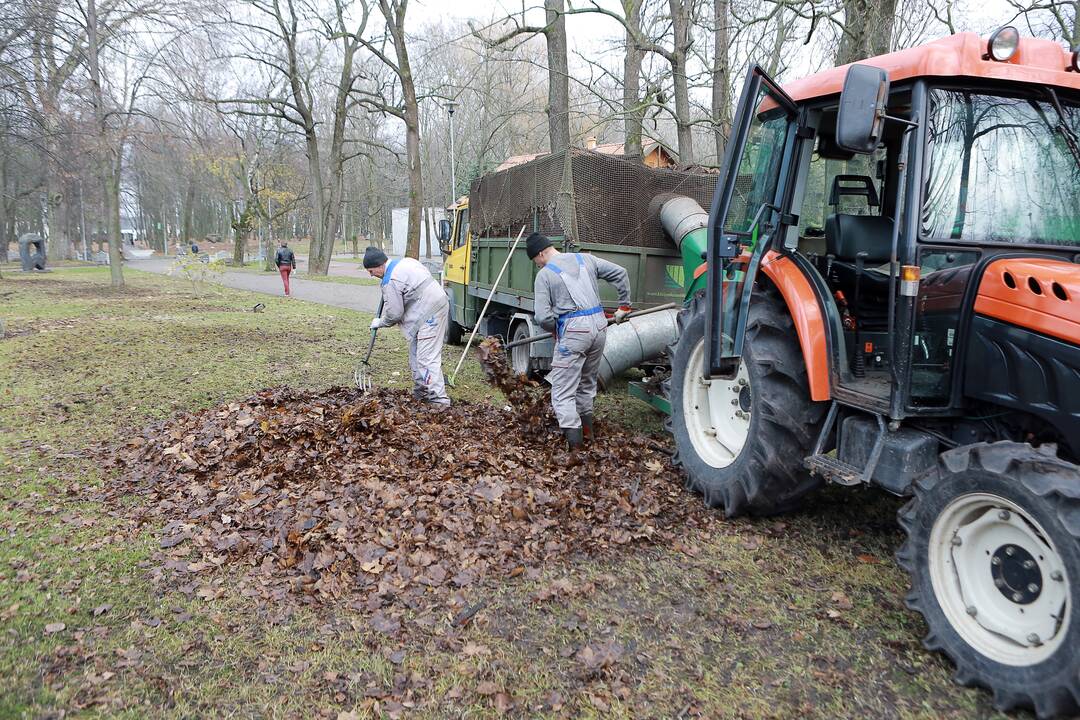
[586, 428]
[573, 437]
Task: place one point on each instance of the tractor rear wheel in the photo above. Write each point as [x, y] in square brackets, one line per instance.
[742, 441]
[993, 551]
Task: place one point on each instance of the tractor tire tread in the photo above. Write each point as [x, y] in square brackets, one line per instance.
[1043, 475]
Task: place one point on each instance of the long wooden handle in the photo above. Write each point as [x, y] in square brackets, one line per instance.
[545, 336]
[491, 294]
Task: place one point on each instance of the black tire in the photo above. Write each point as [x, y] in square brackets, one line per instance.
[767, 476]
[1047, 489]
[454, 333]
[519, 357]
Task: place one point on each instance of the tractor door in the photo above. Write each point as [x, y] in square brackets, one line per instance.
[748, 211]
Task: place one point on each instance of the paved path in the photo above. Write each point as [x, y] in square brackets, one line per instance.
[355, 297]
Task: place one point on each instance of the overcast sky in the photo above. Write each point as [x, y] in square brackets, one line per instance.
[593, 33]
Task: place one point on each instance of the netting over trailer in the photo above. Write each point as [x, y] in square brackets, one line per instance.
[587, 196]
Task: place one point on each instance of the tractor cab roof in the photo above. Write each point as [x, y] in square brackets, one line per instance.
[961, 56]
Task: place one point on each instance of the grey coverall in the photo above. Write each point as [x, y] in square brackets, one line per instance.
[412, 298]
[567, 303]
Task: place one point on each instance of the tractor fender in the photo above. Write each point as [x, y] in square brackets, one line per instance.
[802, 303]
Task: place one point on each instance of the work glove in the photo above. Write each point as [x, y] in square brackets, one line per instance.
[622, 312]
[376, 323]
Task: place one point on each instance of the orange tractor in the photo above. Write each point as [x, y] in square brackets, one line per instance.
[893, 298]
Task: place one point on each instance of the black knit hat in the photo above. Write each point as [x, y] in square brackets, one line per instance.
[373, 257]
[535, 244]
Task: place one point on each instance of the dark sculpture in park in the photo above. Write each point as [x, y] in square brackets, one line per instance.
[31, 252]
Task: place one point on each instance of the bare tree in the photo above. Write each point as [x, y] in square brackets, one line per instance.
[554, 32]
[394, 13]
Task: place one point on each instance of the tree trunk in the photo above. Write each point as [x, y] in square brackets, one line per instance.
[108, 158]
[111, 171]
[721, 79]
[189, 210]
[680, 26]
[868, 26]
[558, 76]
[633, 109]
[4, 237]
[57, 242]
[396, 24]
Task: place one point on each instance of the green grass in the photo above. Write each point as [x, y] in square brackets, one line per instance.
[733, 622]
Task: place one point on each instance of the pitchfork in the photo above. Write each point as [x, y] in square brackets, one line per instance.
[362, 374]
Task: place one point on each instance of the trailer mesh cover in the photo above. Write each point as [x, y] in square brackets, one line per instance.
[585, 196]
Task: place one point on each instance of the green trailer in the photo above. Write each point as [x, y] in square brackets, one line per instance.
[613, 215]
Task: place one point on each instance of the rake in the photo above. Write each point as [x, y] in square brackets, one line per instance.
[362, 375]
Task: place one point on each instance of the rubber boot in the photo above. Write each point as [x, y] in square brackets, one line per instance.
[586, 428]
[573, 438]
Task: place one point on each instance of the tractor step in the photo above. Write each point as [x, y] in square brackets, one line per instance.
[834, 470]
[832, 467]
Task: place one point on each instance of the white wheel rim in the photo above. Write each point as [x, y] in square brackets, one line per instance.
[999, 579]
[519, 356]
[716, 412]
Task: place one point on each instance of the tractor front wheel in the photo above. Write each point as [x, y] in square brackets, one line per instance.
[742, 441]
[993, 551]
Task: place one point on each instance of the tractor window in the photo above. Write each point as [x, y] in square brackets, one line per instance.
[1002, 170]
[819, 184]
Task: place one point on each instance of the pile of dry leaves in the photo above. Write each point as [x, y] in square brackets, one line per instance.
[377, 500]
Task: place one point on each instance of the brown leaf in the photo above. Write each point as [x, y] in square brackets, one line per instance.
[385, 623]
[55, 627]
[600, 655]
[486, 688]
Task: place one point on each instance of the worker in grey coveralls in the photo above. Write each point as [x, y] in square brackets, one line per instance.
[567, 304]
[413, 299]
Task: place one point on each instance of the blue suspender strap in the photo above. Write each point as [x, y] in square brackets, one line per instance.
[389, 271]
[582, 313]
[553, 268]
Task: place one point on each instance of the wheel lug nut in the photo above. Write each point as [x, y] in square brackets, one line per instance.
[1004, 515]
[999, 582]
[956, 541]
[734, 401]
[1056, 575]
[972, 610]
[1033, 588]
[1028, 564]
[1010, 551]
[995, 561]
[1034, 639]
[1017, 597]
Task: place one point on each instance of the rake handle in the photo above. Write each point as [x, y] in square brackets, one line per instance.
[374, 332]
[544, 336]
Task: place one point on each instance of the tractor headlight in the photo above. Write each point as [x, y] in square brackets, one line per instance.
[1003, 43]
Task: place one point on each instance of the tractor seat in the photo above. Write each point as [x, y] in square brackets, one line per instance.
[848, 235]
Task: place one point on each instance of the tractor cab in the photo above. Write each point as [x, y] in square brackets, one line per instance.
[893, 299]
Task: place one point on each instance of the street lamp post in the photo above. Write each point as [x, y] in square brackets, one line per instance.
[452, 105]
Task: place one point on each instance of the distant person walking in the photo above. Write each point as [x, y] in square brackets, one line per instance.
[286, 263]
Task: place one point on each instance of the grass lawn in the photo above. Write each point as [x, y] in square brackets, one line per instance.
[800, 616]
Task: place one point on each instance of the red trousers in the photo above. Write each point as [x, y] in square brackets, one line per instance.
[285, 270]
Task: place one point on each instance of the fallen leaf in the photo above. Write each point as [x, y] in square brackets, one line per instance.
[55, 627]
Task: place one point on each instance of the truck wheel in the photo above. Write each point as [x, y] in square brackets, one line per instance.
[742, 441]
[520, 360]
[993, 551]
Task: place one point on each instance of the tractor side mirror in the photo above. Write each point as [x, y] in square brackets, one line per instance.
[861, 120]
